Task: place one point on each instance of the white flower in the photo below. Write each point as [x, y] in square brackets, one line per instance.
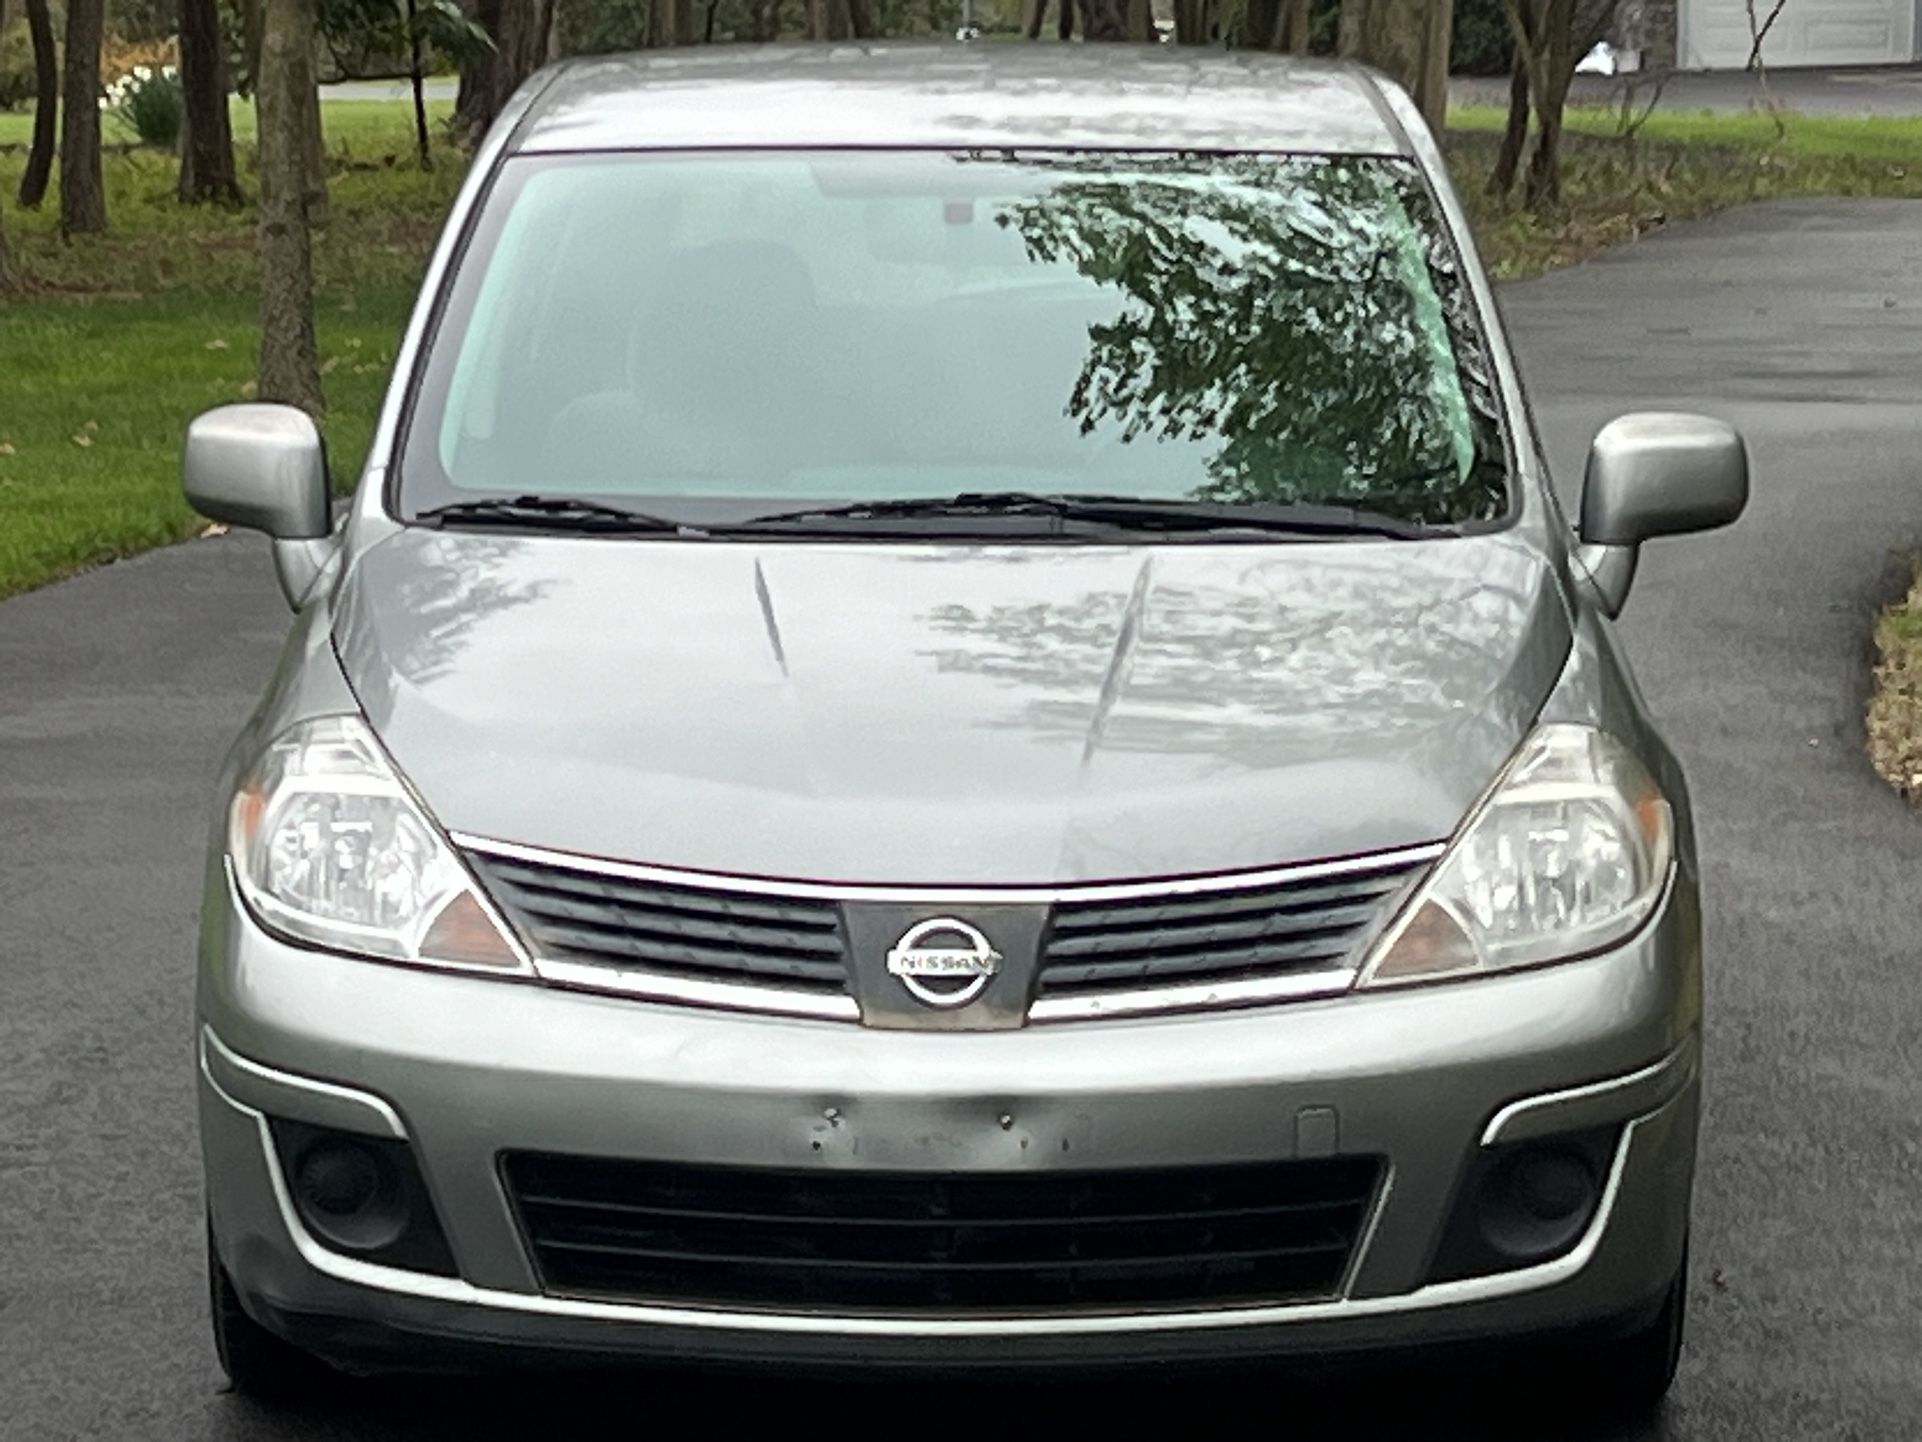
[142, 73]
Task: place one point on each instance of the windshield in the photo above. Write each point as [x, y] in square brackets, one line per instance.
[714, 337]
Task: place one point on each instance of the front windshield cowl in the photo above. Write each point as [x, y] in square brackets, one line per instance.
[707, 338]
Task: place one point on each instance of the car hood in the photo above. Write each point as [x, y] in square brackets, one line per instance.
[950, 714]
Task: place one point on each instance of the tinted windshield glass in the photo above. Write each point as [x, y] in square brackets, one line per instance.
[716, 336]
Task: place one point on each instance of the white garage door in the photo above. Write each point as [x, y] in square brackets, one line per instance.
[1715, 33]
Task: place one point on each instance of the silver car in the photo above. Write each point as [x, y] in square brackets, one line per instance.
[953, 721]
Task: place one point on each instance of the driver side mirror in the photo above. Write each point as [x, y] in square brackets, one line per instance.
[1655, 474]
[264, 468]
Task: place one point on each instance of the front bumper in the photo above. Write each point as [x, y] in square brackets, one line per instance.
[468, 1068]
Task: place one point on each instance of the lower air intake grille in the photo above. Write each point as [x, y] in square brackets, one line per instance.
[1269, 930]
[909, 1242]
[715, 935]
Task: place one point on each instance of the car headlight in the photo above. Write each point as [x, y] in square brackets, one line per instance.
[329, 846]
[1567, 855]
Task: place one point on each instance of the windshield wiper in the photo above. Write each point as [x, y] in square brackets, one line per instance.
[1122, 512]
[555, 513]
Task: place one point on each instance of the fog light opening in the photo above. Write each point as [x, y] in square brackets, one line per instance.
[350, 1194]
[1537, 1201]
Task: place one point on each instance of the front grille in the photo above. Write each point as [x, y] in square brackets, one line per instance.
[1257, 932]
[908, 1242]
[702, 933]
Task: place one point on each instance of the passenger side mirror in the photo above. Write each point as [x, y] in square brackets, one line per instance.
[264, 467]
[1655, 474]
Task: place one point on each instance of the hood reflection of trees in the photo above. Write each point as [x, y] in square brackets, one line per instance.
[1250, 661]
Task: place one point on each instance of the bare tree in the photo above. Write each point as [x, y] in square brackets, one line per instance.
[1758, 31]
[46, 104]
[1551, 37]
[83, 198]
[289, 358]
[1410, 40]
[207, 138]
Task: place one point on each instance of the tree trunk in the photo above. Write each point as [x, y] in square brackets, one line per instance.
[9, 277]
[46, 104]
[1409, 39]
[1297, 27]
[1193, 21]
[315, 138]
[474, 103]
[249, 43]
[1260, 21]
[670, 22]
[1033, 12]
[1104, 19]
[83, 199]
[420, 98]
[861, 20]
[1545, 47]
[289, 362]
[1515, 136]
[1551, 103]
[1545, 165]
[206, 138]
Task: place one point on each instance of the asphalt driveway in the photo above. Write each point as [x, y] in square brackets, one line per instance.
[1800, 322]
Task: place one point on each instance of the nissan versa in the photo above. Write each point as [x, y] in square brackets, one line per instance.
[953, 723]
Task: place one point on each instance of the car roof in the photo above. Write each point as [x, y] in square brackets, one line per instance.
[1107, 97]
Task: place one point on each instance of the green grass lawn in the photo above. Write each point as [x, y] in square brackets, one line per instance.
[131, 333]
[128, 335]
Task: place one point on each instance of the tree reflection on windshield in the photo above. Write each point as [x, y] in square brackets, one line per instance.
[1299, 310]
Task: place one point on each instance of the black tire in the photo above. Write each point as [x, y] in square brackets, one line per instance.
[258, 1364]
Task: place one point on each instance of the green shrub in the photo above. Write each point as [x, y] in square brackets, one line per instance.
[148, 98]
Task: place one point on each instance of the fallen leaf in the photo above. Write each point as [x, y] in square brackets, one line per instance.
[211, 529]
[91, 427]
[216, 344]
[327, 366]
[250, 389]
[6, 448]
[82, 439]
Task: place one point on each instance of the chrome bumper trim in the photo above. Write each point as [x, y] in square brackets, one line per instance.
[1596, 1103]
[299, 1098]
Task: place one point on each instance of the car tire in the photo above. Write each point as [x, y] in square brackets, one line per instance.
[1629, 1376]
[258, 1364]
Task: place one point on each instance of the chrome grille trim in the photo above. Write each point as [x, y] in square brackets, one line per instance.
[955, 895]
[1088, 1006]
